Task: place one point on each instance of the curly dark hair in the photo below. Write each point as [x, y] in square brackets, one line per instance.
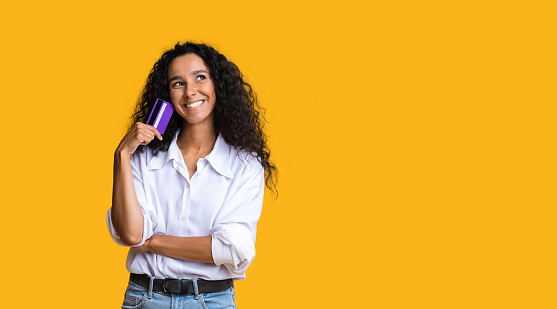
[237, 113]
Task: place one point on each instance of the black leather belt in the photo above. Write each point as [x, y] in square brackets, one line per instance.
[181, 286]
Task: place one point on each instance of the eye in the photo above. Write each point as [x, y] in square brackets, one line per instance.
[200, 77]
[176, 84]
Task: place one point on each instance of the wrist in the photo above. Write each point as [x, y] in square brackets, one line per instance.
[121, 154]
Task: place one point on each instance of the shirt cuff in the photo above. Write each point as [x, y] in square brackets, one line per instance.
[221, 252]
[147, 229]
[232, 247]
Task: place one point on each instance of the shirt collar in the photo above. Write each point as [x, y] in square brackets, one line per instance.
[173, 153]
[219, 158]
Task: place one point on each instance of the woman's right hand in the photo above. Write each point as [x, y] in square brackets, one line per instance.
[140, 134]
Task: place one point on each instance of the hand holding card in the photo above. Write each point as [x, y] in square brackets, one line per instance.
[160, 115]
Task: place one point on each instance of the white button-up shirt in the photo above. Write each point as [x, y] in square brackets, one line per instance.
[223, 198]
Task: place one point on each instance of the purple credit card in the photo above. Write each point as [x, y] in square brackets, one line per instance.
[160, 115]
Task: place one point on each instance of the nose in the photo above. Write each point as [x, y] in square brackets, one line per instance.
[191, 89]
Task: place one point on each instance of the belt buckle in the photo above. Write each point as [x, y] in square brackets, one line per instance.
[164, 285]
[179, 287]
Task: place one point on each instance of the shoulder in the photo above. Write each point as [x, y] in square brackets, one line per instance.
[233, 161]
[143, 157]
[247, 172]
[242, 163]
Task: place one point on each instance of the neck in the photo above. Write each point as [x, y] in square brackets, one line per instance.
[197, 138]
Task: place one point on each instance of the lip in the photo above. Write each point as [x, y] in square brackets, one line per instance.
[203, 101]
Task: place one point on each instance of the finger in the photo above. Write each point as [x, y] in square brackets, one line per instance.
[155, 132]
[137, 126]
[146, 137]
[158, 134]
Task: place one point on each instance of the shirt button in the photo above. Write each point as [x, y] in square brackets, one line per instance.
[180, 277]
[187, 185]
[183, 218]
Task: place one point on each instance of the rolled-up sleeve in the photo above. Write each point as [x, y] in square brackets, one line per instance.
[149, 213]
[233, 236]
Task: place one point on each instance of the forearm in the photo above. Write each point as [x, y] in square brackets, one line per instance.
[127, 217]
[197, 249]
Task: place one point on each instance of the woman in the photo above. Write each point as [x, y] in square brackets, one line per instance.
[188, 201]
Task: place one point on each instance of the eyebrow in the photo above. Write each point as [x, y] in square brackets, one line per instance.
[198, 71]
[192, 73]
[175, 78]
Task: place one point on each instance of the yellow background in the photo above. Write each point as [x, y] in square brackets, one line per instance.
[415, 141]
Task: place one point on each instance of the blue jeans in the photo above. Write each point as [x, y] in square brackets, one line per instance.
[139, 297]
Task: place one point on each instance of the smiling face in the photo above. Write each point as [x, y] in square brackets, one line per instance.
[191, 89]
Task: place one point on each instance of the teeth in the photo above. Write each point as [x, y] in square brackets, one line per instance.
[194, 104]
